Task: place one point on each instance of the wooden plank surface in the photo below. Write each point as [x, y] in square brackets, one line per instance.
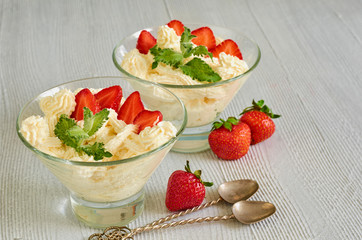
[310, 73]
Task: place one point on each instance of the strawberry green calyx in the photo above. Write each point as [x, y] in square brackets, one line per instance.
[197, 174]
[259, 106]
[228, 124]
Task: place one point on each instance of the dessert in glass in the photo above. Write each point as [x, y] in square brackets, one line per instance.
[165, 54]
[102, 138]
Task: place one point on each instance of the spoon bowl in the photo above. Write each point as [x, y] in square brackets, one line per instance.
[248, 212]
[238, 190]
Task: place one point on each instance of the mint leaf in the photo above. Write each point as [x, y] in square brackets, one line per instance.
[93, 122]
[185, 43]
[154, 65]
[73, 136]
[196, 68]
[69, 132]
[96, 150]
[200, 70]
[61, 130]
[186, 35]
[155, 50]
[201, 51]
[167, 56]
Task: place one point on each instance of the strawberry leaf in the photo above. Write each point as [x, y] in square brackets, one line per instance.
[197, 174]
[217, 125]
[259, 106]
[233, 120]
[260, 103]
[228, 124]
[208, 184]
[187, 167]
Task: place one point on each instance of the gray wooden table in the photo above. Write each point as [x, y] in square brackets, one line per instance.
[310, 73]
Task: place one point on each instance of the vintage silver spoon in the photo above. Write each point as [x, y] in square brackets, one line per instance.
[231, 192]
[246, 212]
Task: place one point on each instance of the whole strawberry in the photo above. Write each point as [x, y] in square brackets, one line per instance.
[259, 118]
[230, 139]
[185, 189]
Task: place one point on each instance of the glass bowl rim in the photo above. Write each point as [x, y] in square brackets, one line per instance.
[98, 164]
[205, 85]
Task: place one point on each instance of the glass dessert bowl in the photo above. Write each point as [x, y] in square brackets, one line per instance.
[107, 193]
[204, 101]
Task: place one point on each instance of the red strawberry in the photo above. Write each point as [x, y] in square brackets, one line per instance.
[84, 99]
[230, 139]
[205, 37]
[228, 46]
[145, 42]
[131, 108]
[177, 26]
[109, 97]
[259, 118]
[147, 119]
[185, 189]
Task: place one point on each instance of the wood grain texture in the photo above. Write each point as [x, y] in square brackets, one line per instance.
[310, 73]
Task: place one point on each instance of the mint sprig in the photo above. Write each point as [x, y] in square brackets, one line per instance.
[166, 56]
[94, 122]
[96, 150]
[196, 68]
[73, 136]
[185, 43]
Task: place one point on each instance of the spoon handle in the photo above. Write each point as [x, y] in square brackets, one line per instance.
[124, 233]
[175, 224]
[183, 213]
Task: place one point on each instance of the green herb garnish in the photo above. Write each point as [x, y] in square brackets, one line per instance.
[196, 68]
[73, 136]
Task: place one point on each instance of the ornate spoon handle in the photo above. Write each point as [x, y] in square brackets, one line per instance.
[183, 213]
[124, 233]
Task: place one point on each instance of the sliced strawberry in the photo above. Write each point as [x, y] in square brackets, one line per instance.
[84, 99]
[177, 26]
[109, 97]
[147, 119]
[204, 36]
[145, 42]
[131, 108]
[228, 46]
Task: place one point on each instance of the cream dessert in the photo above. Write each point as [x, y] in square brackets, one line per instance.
[127, 131]
[181, 57]
[121, 136]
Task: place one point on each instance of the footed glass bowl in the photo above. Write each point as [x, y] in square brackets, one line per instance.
[109, 193]
[204, 102]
